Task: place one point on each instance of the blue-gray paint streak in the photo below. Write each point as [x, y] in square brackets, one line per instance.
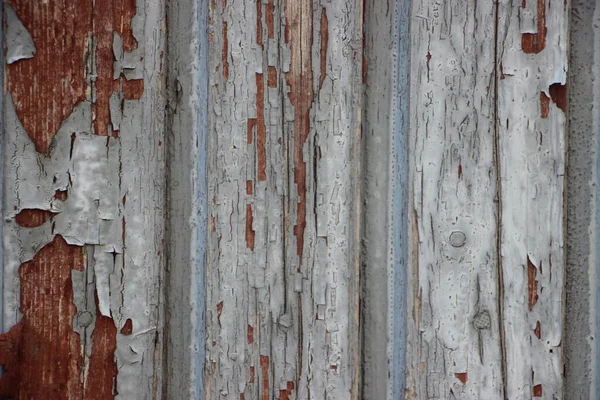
[2, 168]
[400, 109]
[202, 129]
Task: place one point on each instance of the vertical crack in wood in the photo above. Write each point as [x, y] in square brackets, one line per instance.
[500, 269]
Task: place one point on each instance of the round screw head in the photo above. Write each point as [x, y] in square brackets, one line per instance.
[458, 239]
[85, 318]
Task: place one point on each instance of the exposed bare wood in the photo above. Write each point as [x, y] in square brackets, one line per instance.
[282, 284]
[84, 221]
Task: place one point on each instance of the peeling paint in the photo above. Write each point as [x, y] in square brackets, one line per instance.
[66, 188]
[532, 284]
[533, 43]
[19, 44]
[532, 158]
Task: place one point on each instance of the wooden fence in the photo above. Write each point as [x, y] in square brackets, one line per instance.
[300, 199]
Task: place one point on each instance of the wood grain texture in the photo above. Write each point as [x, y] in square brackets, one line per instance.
[489, 84]
[282, 274]
[187, 222]
[454, 344]
[385, 75]
[83, 220]
[531, 156]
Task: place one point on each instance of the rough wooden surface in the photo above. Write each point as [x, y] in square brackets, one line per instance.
[241, 181]
[489, 85]
[83, 222]
[385, 73]
[454, 341]
[581, 277]
[186, 198]
[531, 131]
[282, 273]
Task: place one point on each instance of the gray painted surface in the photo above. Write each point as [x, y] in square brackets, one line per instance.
[384, 265]
[19, 44]
[2, 19]
[125, 266]
[581, 355]
[386, 232]
[186, 198]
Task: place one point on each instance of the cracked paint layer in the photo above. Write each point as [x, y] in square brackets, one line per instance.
[532, 47]
[66, 185]
[453, 339]
[19, 45]
[282, 256]
[504, 133]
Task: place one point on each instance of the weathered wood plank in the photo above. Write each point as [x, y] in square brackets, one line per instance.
[187, 200]
[581, 196]
[454, 344]
[531, 132]
[84, 199]
[385, 250]
[282, 284]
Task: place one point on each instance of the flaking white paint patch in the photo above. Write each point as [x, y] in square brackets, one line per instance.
[114, 208]
[453, 272]
[84, 165]
[19, 44]
[532, 153]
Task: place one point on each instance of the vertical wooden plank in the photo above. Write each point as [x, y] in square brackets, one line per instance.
[385, 131]
[235, 58]
[595, 301]
[284, 159]
[581, 230]
[454, 344]
[84, 199]
[186, 198]
[531, 125]
[2, 145]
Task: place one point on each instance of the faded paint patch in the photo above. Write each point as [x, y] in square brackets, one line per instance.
[559, 95]
[264, 388]
[34, 369]
[271, 77]
[261, 131]
[102, 365]
[532, 284]
[544, 105]
[270, 10]
[250, 234]
[300, 81]
[533, 43]
[287, 392]
[41, 99]
[110, 18]
[462, 377]
[324, 45]
[31, 218]
[18, 42]
[225, 52]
